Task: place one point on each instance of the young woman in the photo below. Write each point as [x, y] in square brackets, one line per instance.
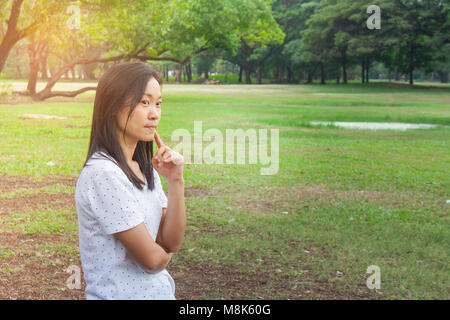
[128, 229]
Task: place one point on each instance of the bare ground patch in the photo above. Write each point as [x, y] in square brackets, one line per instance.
[21, 204]
[9, 183]
[273, 199]
[30, 272]
[17, 98]
[200, 281]
[195, 191]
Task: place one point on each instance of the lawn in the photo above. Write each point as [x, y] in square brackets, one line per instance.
[342, 199]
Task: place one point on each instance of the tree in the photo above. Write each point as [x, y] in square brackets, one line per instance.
[204, 62]
[421, 29]
[333, 28]
[258, 33]
[154, 31]
[13, 25]
[288, 56]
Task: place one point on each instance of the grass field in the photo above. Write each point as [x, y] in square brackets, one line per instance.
[342, 200]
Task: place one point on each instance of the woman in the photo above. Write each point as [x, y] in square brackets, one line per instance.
[128, 229]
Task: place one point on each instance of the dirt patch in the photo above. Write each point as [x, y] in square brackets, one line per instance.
[31, 273]
[58, 200]
[21, 204]
[201, 281]
[10, 183]
[69, 126]
[17, 98]
[195, 191]
[305, 196]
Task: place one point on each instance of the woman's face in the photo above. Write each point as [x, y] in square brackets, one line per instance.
[145, 117]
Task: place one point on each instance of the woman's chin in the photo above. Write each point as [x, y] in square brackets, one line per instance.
[148, 138]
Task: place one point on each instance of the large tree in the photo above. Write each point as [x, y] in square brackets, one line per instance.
[148, 30]
[19, 19]
[290, 57]
[421, 28]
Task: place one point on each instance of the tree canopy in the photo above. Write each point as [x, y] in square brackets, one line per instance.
[280, 39]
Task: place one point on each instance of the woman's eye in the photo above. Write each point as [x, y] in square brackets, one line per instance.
[146, 102]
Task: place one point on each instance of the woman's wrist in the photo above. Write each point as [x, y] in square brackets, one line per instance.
[176, 182]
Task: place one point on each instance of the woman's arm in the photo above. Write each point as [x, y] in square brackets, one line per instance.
[170, 164]
[151, 256]
[173, 220]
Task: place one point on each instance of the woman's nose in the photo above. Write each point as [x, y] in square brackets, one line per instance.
[153, 113]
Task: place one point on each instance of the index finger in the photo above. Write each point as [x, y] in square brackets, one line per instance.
[158, 140]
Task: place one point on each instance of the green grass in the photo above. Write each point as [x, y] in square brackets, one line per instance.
[54, 189]
[41, 221]
[342, 200]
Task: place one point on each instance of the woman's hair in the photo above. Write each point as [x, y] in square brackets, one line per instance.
[121, 86]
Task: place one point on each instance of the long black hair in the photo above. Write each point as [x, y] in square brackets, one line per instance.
[121, 86]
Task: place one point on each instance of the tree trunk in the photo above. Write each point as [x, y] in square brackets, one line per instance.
[32, 79]
[5, 47]
[189, 71]
[44, 65]
[367, 69]
[279, 71]
[411, 64]
[363, 69]
[248, 79]
[309, 77]
[338, 78]
[289, 74]
[281, 76]
[11, 37]
[322, 73]
[241, 69]
[34, 49]
[260, 71]
[344, 66]
[88, 72]
[178, 72]
[443, 76]
[19, 71]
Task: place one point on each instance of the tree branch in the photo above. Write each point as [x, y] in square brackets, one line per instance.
[69, 94]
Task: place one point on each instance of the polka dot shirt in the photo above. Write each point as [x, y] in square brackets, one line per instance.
[107, 202]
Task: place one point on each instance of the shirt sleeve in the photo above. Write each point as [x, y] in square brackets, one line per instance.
[158, 186]
[112, 201]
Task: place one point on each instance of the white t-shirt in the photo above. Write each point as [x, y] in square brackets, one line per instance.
[107, 202]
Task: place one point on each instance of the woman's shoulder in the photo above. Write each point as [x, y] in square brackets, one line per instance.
[100, 167]
[101, 157]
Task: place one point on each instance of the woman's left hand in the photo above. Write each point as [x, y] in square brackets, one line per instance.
[167, 162]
